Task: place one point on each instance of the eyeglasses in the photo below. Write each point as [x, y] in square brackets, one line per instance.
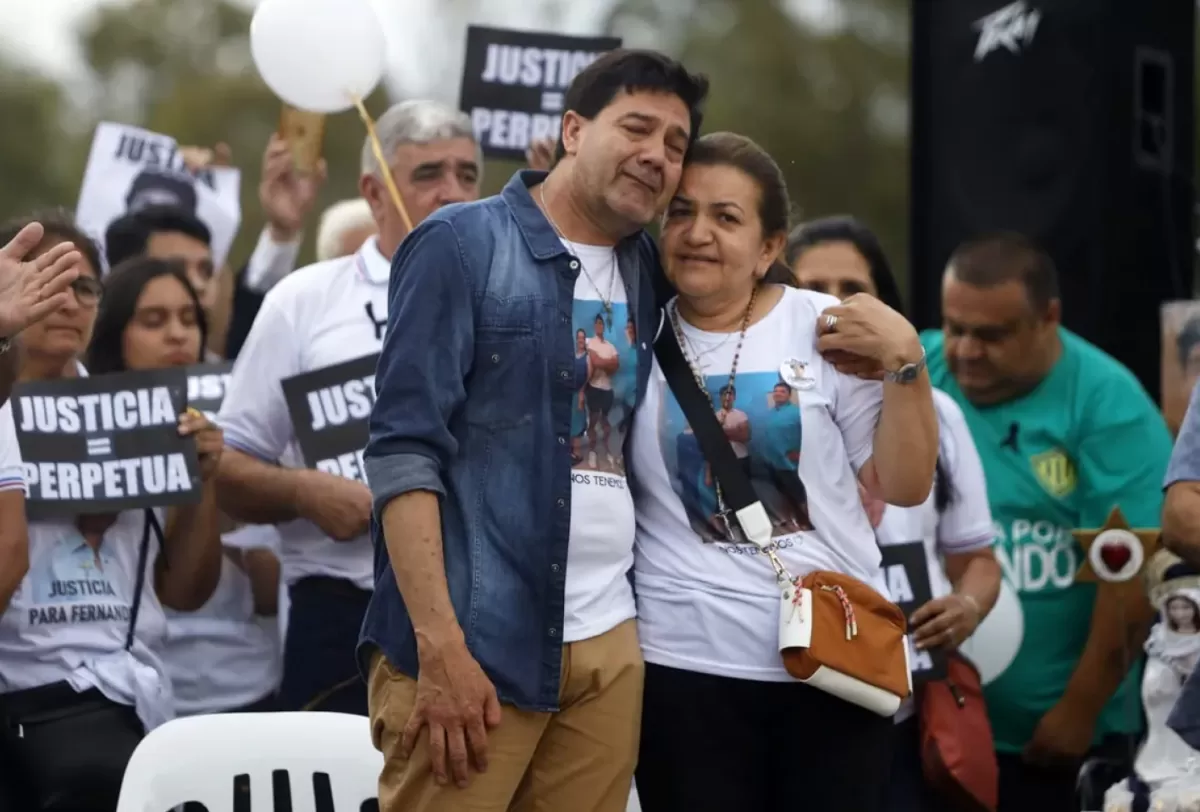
[87, 290]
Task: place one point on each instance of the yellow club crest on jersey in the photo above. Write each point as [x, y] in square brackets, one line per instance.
[1055, 472]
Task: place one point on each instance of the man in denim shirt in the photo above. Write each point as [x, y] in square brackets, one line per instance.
[1181, 535]
[500, 640]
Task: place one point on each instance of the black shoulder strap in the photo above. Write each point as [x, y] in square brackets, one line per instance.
[736, 489]
[151, 524]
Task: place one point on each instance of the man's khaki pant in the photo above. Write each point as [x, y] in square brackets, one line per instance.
[579, 759]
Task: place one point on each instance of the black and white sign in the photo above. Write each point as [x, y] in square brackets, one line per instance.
[130, 168]
[330, 408]
[514, 82]
[907, 572]
[206, 385]
[105, 444]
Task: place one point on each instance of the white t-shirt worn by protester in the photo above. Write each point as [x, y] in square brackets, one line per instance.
[598, 595]
[963, 527]
[318, 316]
[704, 603]
[12, 473]
[223, 656]
[69, 618]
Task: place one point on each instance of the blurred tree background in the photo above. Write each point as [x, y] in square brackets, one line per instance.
[828, 98]
[828, 104]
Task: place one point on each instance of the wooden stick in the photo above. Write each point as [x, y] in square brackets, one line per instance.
[384, 168]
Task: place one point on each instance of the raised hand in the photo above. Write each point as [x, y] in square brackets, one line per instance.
[285, 194]
[31, 290]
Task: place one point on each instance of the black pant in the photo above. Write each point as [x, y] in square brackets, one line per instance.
[319, 669]
[1029, 788]
[722, 744]
[63, 751]
[907, 790]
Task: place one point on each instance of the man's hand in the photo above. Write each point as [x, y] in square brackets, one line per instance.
[1063, 736]
[945, 622]
[285, 194]
[340, 507]
[30, 291]
[459, 704]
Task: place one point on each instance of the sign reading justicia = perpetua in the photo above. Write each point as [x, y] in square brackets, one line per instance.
[105, 444]
[330, 409]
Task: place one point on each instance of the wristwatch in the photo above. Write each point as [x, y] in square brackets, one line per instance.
[907, 373]
[5, 343]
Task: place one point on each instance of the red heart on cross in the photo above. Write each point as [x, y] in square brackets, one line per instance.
[1115, 555]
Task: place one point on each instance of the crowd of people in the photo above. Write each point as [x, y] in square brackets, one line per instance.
[544, 587]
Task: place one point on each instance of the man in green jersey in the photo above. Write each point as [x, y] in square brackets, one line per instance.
[1065, 433]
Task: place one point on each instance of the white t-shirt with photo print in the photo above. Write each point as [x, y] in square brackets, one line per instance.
[708, 605]
[598, 595]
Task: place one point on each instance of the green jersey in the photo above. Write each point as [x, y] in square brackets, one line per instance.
[1087, 439]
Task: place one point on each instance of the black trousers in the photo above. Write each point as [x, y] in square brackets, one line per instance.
[717, 744]
[63, 751]
[1029, 788]
[319, 668]
[907, 790]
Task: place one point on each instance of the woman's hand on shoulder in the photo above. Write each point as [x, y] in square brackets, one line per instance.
[209, 439]
[864, 337]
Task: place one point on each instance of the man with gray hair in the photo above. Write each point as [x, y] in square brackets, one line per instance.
[320, 316]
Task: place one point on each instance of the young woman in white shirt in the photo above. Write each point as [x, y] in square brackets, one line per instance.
[225, 656]
[841, 256]
[81, 680]
[724, 724]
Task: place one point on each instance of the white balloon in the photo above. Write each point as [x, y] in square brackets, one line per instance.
[996, 642]
[317, 55]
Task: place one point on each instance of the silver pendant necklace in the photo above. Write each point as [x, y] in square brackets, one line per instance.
[612, 270]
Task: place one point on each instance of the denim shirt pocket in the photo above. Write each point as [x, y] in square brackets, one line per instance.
[507, 372]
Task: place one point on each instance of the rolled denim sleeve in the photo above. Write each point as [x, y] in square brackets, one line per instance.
[1185, 457]
[426, 356]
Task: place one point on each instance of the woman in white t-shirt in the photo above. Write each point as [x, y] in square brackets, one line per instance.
[724, 725]
[81, 679]
[842, 256]
[225, 656]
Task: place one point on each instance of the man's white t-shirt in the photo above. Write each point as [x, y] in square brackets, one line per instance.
[316, 317]
[706, 604]
[963, 527]
[223, 656]
[598, 595]
[12, 473]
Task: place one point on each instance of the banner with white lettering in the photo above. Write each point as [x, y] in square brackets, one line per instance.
[206, 385]
[330, 408]
[907, 572]
[106, 443]
[130, 168]
[514, 82]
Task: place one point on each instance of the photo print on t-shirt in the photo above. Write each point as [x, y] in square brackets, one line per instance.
[72, 583]
[606, 371]
[761, 417]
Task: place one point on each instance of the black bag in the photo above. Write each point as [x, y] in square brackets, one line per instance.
[66, 751]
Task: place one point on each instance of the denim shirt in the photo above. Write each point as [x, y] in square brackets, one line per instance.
[474, 391]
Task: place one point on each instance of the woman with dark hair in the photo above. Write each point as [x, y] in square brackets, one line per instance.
[224, 656]
[81, 673]
[841, 256]
[725, 725]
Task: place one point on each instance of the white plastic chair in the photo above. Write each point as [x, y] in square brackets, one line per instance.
[207, 759]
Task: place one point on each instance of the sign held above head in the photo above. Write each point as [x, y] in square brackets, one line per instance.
[515, 83]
